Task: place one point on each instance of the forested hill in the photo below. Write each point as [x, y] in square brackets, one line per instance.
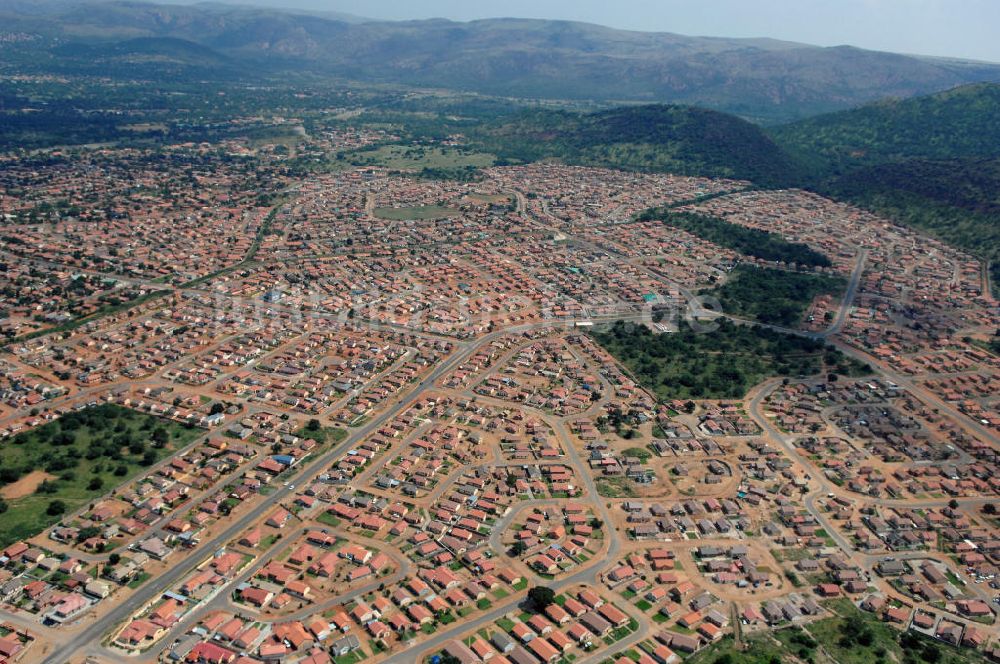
[678, 139]
[956, 124]
[956, 200]
[930, 162]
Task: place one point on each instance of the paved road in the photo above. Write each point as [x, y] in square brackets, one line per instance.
[852, 289]
[464, 350]
[221, 600]
[589, 575]
[987, 285]
[155, 588]
[962, 420]
[825, 487]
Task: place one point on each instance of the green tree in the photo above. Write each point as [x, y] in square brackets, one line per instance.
[47, 487]
[541, 597]
[160, 437]
[87, 533]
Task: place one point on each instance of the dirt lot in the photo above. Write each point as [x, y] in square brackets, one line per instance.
[26, 485]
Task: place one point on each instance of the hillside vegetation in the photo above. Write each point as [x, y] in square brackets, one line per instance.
[678, 139]
[958, 123]
[930, 162]
[956, 200]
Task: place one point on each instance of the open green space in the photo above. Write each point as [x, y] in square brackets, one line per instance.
[720, 363]
[56, 468]
[763, 650]
[774, 297]
[640, 453]
[856, 637]
[328, 518]
[350, 658]
[426, 161]
[615, 487]
[322, 435]
[991, 345]
[140, 579]
[849, 637]
[490, 199]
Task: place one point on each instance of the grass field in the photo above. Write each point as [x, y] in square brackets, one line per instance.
[418, 158]
[323, 435]
[763, 650]
[84, 454]
[615, 487]
[418, 213]
[498, 199]
[286, 136]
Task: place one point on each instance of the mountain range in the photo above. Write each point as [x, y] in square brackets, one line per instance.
[760, 79]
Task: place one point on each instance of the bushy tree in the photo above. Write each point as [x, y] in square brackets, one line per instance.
[541, 597]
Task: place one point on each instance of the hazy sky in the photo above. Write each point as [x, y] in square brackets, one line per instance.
[960, 28]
